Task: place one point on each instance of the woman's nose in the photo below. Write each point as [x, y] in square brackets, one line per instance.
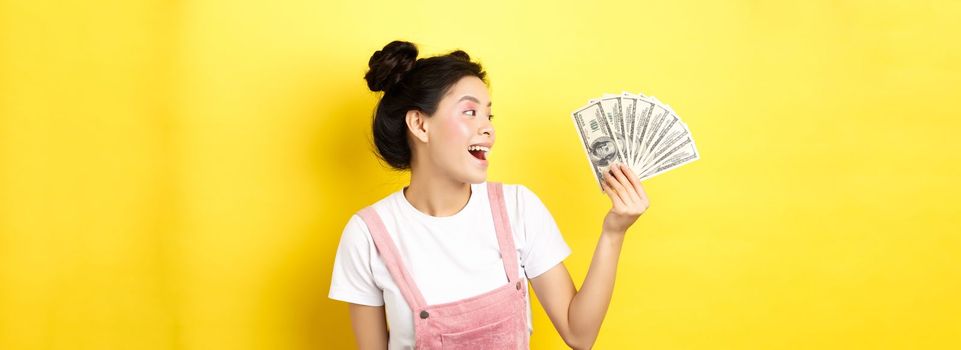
[489, 130]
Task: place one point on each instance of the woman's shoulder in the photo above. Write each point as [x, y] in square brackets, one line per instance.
[356, 226]
[508, 187]
[520, 196]
[383, 205]
[516, 190]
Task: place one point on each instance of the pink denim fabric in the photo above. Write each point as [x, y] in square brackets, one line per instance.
[492, 320]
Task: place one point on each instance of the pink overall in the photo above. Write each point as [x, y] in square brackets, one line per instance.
[492, 320]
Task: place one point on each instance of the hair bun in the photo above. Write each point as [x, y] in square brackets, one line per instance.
[461, 55]
[388, 65]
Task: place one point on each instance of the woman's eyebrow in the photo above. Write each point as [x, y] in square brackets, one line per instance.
[472, 98]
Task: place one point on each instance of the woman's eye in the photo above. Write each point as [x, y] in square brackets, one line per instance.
[490, 117]
[471, 112]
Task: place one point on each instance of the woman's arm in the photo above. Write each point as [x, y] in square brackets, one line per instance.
[577, 315]
[370, 326]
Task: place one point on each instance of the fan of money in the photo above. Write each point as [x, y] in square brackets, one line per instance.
[636, 130]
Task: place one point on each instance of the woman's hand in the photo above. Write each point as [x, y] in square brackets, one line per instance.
[627, 198]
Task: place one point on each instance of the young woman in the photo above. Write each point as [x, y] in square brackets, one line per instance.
[446, 260]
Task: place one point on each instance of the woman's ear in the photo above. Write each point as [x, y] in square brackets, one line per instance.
[417, 124]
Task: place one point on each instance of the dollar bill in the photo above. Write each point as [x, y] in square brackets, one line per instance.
[634, 129]
[683, 153]
[643, 109]
[597, 138]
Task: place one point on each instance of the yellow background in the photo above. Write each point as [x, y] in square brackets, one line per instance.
[176, 174]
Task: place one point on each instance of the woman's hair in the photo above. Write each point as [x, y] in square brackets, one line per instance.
[408, 84]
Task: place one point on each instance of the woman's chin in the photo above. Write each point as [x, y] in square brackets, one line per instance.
[476, 179]
[475, 176]
[476, 171]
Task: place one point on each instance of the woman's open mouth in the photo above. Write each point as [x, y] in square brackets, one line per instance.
[479, 151]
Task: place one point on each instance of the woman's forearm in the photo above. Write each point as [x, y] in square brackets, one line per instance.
[590, 304]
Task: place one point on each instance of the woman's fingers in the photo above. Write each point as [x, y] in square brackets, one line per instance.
[641, 192]
[617, 187]
[629, 194]
[642, 202]
[636, 183]
[615, 199]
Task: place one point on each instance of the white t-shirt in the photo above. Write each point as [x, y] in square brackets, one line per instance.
[450, 258]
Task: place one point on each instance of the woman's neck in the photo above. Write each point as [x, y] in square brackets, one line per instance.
[436, 195]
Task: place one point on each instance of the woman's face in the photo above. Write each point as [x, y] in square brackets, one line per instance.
[462, 120]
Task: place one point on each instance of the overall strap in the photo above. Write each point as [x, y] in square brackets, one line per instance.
[387, 249]
[505, 239]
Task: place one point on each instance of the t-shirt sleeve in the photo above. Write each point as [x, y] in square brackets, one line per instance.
[352, 279]
[545, 247]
